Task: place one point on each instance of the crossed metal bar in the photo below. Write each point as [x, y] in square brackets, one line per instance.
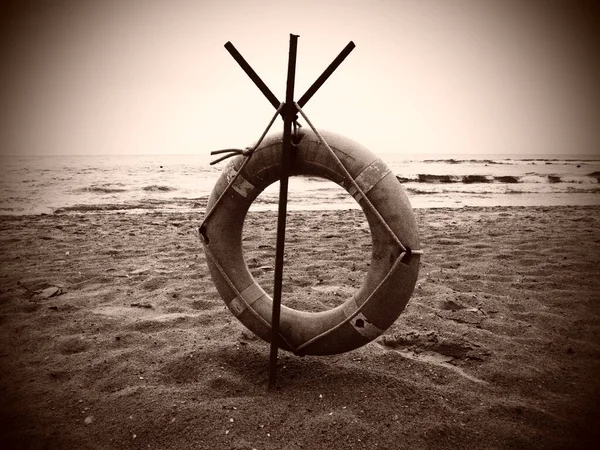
[289, 115]
[311, 90]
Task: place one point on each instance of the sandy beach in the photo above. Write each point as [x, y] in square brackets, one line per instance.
[112, 336]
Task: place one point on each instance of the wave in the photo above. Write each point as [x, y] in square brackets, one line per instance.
[158, 188]
[107, 189]
[100, 207]
[495, 189]
[101, 190]
[467, 161]
[592, 178]
[558, 160]
[146, 205]
[509, 161]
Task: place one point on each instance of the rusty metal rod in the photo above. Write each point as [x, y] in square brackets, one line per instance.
[253, 75]
[289, 114]
[326, 74]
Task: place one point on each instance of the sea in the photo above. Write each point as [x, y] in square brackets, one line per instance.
[165, 183]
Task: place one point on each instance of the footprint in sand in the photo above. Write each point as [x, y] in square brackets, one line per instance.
[430, 349]
[154, 283]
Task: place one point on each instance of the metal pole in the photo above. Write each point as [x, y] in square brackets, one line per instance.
[288, 118]
[289, 115]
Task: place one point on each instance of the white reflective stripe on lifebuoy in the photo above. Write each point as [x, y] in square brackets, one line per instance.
[368, 178]
[359, 322]
[243, 301]
[364, 327]
[240, 185]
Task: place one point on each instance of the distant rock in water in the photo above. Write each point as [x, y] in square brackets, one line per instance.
[158, 188]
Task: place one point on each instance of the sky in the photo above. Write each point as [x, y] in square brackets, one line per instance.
[426, 77]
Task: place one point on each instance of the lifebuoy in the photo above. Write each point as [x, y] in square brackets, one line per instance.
[394, 266]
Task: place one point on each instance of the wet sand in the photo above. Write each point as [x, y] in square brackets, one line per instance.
[112, 335]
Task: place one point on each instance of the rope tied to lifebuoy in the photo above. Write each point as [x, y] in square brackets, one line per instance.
[231, 152]
[248, 152]
[404, 249]
[299, 349]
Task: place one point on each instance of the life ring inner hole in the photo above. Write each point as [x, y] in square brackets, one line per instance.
[327, 252]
